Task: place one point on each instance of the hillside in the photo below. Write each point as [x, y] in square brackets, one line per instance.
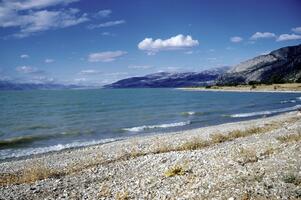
[279, 66]
[171, 79]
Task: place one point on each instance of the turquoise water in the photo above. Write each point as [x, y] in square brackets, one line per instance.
[47, 120]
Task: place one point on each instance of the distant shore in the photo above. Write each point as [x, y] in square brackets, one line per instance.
[241, 157]
[286, 88]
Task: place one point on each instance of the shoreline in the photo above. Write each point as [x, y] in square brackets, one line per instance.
[129, 138]
[278, 88]
[238, 90]
[153, 154]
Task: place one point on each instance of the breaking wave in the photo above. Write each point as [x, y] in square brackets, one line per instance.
[147, 127]
[191, 113]
[13, 153]
[288, 101]
[268, 112]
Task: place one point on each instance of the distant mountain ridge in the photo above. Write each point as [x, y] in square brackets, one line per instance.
[279, 66]
[170, 79]
[9, 85]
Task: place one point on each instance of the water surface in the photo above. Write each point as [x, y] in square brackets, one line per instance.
[45, 120]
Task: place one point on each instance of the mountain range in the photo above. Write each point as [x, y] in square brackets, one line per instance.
[279, 66]
[10, 85]
[171, 79]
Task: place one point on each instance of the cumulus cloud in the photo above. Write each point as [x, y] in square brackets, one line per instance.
[29, 70]
[89, 72]
[48, 60]
[297, 29]
[261, 35]
[106, 24]
[24, 56]
[285, 37]
[236, 39]
[106, 56]
[103, 13]
[30, 16]
[177, 42]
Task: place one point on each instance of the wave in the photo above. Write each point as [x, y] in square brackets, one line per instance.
[15, 153]
[147, 127]
[33, 127]
[268, 112]
[21, 140]
[299, 98]
[288, 101]
[191, 113]
[27, 139]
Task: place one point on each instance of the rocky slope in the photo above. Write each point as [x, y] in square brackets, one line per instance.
[279, 66]
[170, 79]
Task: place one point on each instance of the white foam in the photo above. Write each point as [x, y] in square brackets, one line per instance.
[299, 98]
[189, 113]
[288, 101]
[268, 112]
[146, 127]
[15, 153]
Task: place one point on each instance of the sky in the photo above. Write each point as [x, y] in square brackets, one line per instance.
[96, 42]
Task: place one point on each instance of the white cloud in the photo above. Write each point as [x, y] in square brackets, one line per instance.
[188, 52]
[42, 79]
[107, 34]
[106, 56]
[48, 60]
[103, 13]
[212, 59]
[236, 39]
[285, 37]
[106, 24]
[116, 75]
[80, 80]
[33, 4]
[29, 70]
[24, 56]
[265, 53]
[139, 67]
[29, 19]
[177, 42]
[260, 35]
[89, 72]
[297, 29]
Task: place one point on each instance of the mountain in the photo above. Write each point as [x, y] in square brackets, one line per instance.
[279, 66]
[170, 79]
[9, 85]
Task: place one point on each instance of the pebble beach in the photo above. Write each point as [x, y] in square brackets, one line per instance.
[256, 159]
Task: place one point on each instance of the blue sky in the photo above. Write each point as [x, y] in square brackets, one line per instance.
[95, 42]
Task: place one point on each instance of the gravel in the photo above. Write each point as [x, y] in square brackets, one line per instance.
[254, 167]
